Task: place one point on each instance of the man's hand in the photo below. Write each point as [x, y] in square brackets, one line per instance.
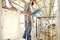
[27, 13]
[21, 11]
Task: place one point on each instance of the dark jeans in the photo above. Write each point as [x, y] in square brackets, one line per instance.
[27, 32]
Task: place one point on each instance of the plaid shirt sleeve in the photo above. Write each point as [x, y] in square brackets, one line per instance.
[27, 7]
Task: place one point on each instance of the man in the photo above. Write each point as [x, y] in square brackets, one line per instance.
[27, 13]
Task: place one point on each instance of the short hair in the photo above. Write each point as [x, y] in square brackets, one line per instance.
[8, 39]
[32, 3]
[33, 0]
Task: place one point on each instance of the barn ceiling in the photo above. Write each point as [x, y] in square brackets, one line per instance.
[46, 6]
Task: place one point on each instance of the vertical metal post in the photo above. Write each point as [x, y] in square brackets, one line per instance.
[36, 27]
[58, 21]
[0, 19]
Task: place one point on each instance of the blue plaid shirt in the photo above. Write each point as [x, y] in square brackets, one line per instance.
[27, 7]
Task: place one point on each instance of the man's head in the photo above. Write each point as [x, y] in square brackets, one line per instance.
[32, 2]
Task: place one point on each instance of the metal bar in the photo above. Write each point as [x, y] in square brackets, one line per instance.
[36, 27]
[45, 6]
[1, 22]
[50, 7]
[47, 17]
